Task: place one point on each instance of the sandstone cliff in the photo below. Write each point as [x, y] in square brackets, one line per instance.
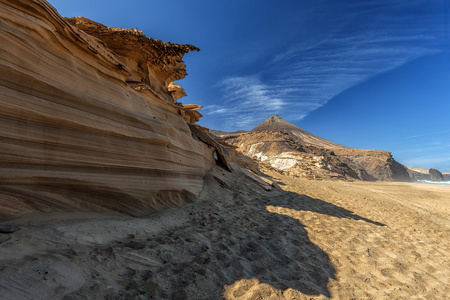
[89, 118]
[288, 148]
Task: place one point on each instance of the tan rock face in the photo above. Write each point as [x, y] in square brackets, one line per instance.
[149, 61]
[176, 90]
[75, 134]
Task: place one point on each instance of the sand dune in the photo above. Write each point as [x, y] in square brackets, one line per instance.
[311, 240]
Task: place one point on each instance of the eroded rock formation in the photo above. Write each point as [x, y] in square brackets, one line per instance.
[436, 175]
[151, 64]
[89, 118]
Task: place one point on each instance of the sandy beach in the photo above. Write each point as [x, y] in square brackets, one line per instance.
[110, 188]
[243, 239]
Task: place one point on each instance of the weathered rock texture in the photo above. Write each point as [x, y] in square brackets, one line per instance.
[376, 164]
[281, 151]
[288, 148]
[89, 119]
[436, 175]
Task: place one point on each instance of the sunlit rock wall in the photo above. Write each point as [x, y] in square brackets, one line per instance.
[84, 128]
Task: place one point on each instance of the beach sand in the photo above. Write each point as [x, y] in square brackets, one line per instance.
[243, 239]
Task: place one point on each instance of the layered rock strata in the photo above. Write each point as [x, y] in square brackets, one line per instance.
[89, 118]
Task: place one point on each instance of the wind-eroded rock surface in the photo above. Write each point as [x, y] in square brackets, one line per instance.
[89, 119]
[288, 148]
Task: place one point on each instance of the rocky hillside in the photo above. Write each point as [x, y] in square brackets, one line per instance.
[275, 123]
[288, 148]
[89, 118]
[422, 174]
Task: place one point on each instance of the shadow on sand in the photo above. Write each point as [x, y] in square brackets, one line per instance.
[283, 256]
[230, 244]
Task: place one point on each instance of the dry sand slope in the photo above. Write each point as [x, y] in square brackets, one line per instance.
[311, 240]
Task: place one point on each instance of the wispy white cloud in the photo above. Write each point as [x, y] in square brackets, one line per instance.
[427, 134]
[371, 37]
[244, 99]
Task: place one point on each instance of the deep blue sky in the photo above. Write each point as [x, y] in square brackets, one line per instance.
[371, 74]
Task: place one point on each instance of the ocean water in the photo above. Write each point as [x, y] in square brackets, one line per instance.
[434, 182]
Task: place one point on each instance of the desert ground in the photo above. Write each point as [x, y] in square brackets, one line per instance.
[269, 236]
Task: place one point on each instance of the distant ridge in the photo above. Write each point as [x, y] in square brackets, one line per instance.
[219, 133]
[276, 123]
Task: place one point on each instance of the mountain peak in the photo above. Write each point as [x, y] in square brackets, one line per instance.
[275, 118]
[276, 123]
